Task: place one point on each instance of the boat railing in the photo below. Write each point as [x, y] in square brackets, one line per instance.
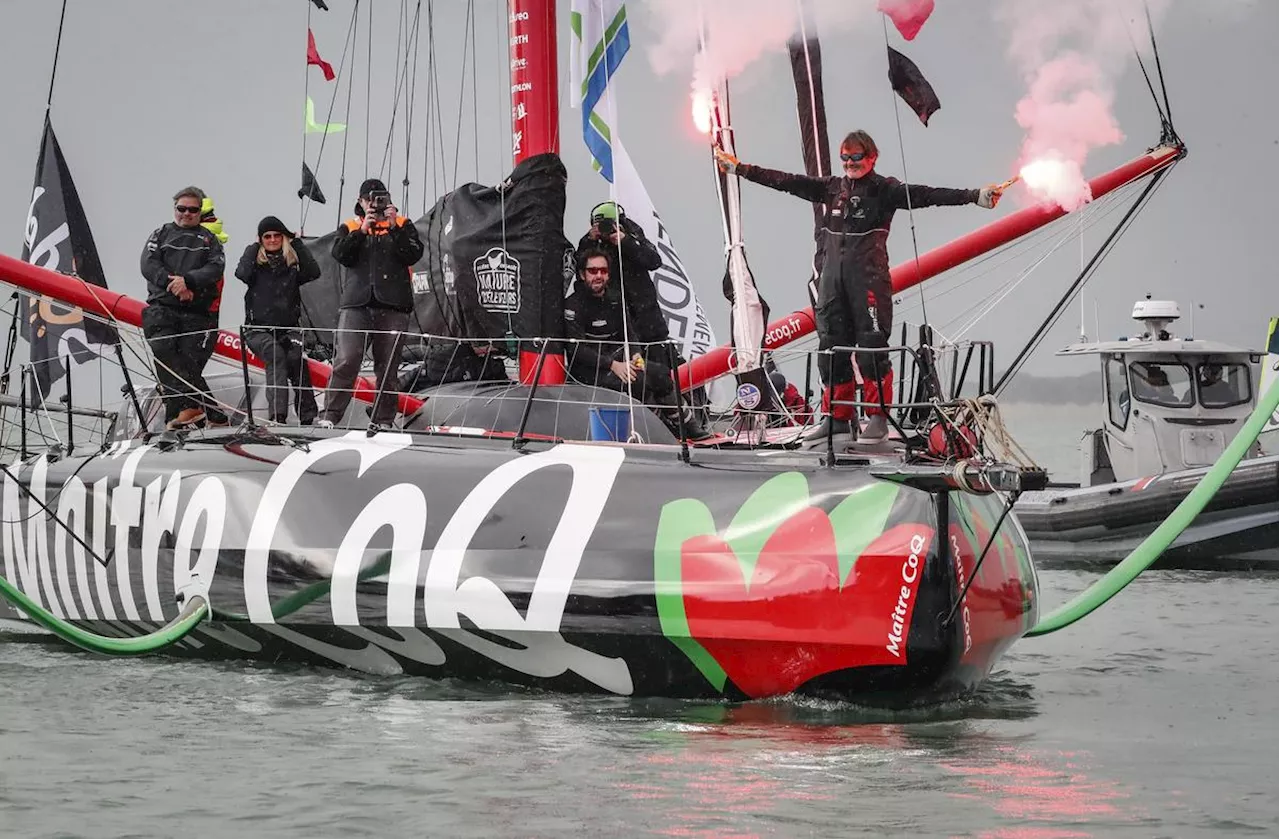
[472, 386]
[32, 422]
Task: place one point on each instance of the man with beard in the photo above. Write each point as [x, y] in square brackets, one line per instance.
[596, 315]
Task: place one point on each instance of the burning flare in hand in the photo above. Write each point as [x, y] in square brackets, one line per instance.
[1054, 178]
[702, 106]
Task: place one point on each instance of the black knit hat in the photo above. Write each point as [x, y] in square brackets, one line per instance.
[271, 224]
[371, 186]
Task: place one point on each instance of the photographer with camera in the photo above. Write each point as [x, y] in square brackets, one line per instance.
[631, 258]
[378, 248]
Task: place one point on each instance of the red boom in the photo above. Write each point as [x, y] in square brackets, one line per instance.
[798, 324]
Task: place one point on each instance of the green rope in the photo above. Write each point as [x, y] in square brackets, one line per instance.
[1171, 528]
[171, 633]
[310, 594]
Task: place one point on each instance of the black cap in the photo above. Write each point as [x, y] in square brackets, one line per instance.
[371, 186]
[271, 224]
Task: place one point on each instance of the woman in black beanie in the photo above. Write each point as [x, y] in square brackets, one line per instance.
[274, 268]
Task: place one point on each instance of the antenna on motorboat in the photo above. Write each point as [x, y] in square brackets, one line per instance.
[1155, 316]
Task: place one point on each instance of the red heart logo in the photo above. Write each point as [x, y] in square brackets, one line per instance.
[793, 620]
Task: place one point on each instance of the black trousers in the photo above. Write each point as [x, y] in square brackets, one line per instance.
[652, 386]
[281, 351]
[182, 343]
[850, 313]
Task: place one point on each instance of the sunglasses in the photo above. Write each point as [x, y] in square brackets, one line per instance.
[184, 208]
[272, 235]
[591, 269]
[853, 158]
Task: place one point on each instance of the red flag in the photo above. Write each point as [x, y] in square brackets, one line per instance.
[313, 57]
[907, 15]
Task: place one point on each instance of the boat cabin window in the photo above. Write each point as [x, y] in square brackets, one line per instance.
[1117, 393]
[1164, 383]
[1223, 385]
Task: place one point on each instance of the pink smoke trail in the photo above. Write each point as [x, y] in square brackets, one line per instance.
[1070, 55]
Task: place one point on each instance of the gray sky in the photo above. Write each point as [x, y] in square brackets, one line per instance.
[152, 95]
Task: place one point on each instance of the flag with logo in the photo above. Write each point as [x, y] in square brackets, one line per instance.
[601, 39]
[58, 237]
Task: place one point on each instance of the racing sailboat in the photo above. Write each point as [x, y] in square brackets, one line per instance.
[495, 536]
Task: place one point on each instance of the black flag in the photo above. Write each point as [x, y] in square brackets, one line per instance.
[310, 188]
[57, 237]
[912, 86]
[320, 4]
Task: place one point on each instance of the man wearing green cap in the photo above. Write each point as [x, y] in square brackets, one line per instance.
[631, 258]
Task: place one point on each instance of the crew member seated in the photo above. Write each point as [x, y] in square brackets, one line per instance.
[631, 258]
[594, 317]
[443, 361]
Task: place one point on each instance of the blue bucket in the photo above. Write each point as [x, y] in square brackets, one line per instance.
[610, 424]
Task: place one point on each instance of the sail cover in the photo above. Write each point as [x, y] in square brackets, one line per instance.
[58, 237]
[495, 262]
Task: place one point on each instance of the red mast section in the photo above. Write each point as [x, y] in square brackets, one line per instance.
[535, 122]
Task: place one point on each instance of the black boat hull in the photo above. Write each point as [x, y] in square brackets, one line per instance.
[570, 567]
[1099, 526]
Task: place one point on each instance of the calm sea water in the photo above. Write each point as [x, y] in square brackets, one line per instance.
[1156, 716]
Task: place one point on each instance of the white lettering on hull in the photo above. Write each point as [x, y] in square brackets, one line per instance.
[196, 527]
[899, 618]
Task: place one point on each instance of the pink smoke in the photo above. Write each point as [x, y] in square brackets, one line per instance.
[1066, 113]
[1070, 53]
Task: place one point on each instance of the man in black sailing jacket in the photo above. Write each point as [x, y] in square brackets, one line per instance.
[183, 264]
[631, 259]
[855, 292]
[594, 316]
[378, 248]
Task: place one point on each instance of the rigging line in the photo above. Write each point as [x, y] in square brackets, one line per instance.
[306, 95]
[57, 49]
[1164, 120]
[1155, 51]
[333, 99]
[979, 310]
[503, 88]
[384, 169]
[368, 88]
[353, 31]
[1038, 336]
[411, 102]
[984, 305]
[906, 178]
[475, 94]
[440, 173]
[462, 88]
[431, 73]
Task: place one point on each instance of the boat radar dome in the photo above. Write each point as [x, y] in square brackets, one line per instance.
[1156, 315]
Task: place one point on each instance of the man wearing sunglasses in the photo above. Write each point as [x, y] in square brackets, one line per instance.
[855, 293]
[594, 319]
[183, 263]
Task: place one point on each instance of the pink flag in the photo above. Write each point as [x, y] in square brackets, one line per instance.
[907, 15]
[313, 57]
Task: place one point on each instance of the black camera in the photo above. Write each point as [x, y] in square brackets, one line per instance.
[607, 227]
[379, 202]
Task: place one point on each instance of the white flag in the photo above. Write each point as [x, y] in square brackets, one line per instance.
[601, 39]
